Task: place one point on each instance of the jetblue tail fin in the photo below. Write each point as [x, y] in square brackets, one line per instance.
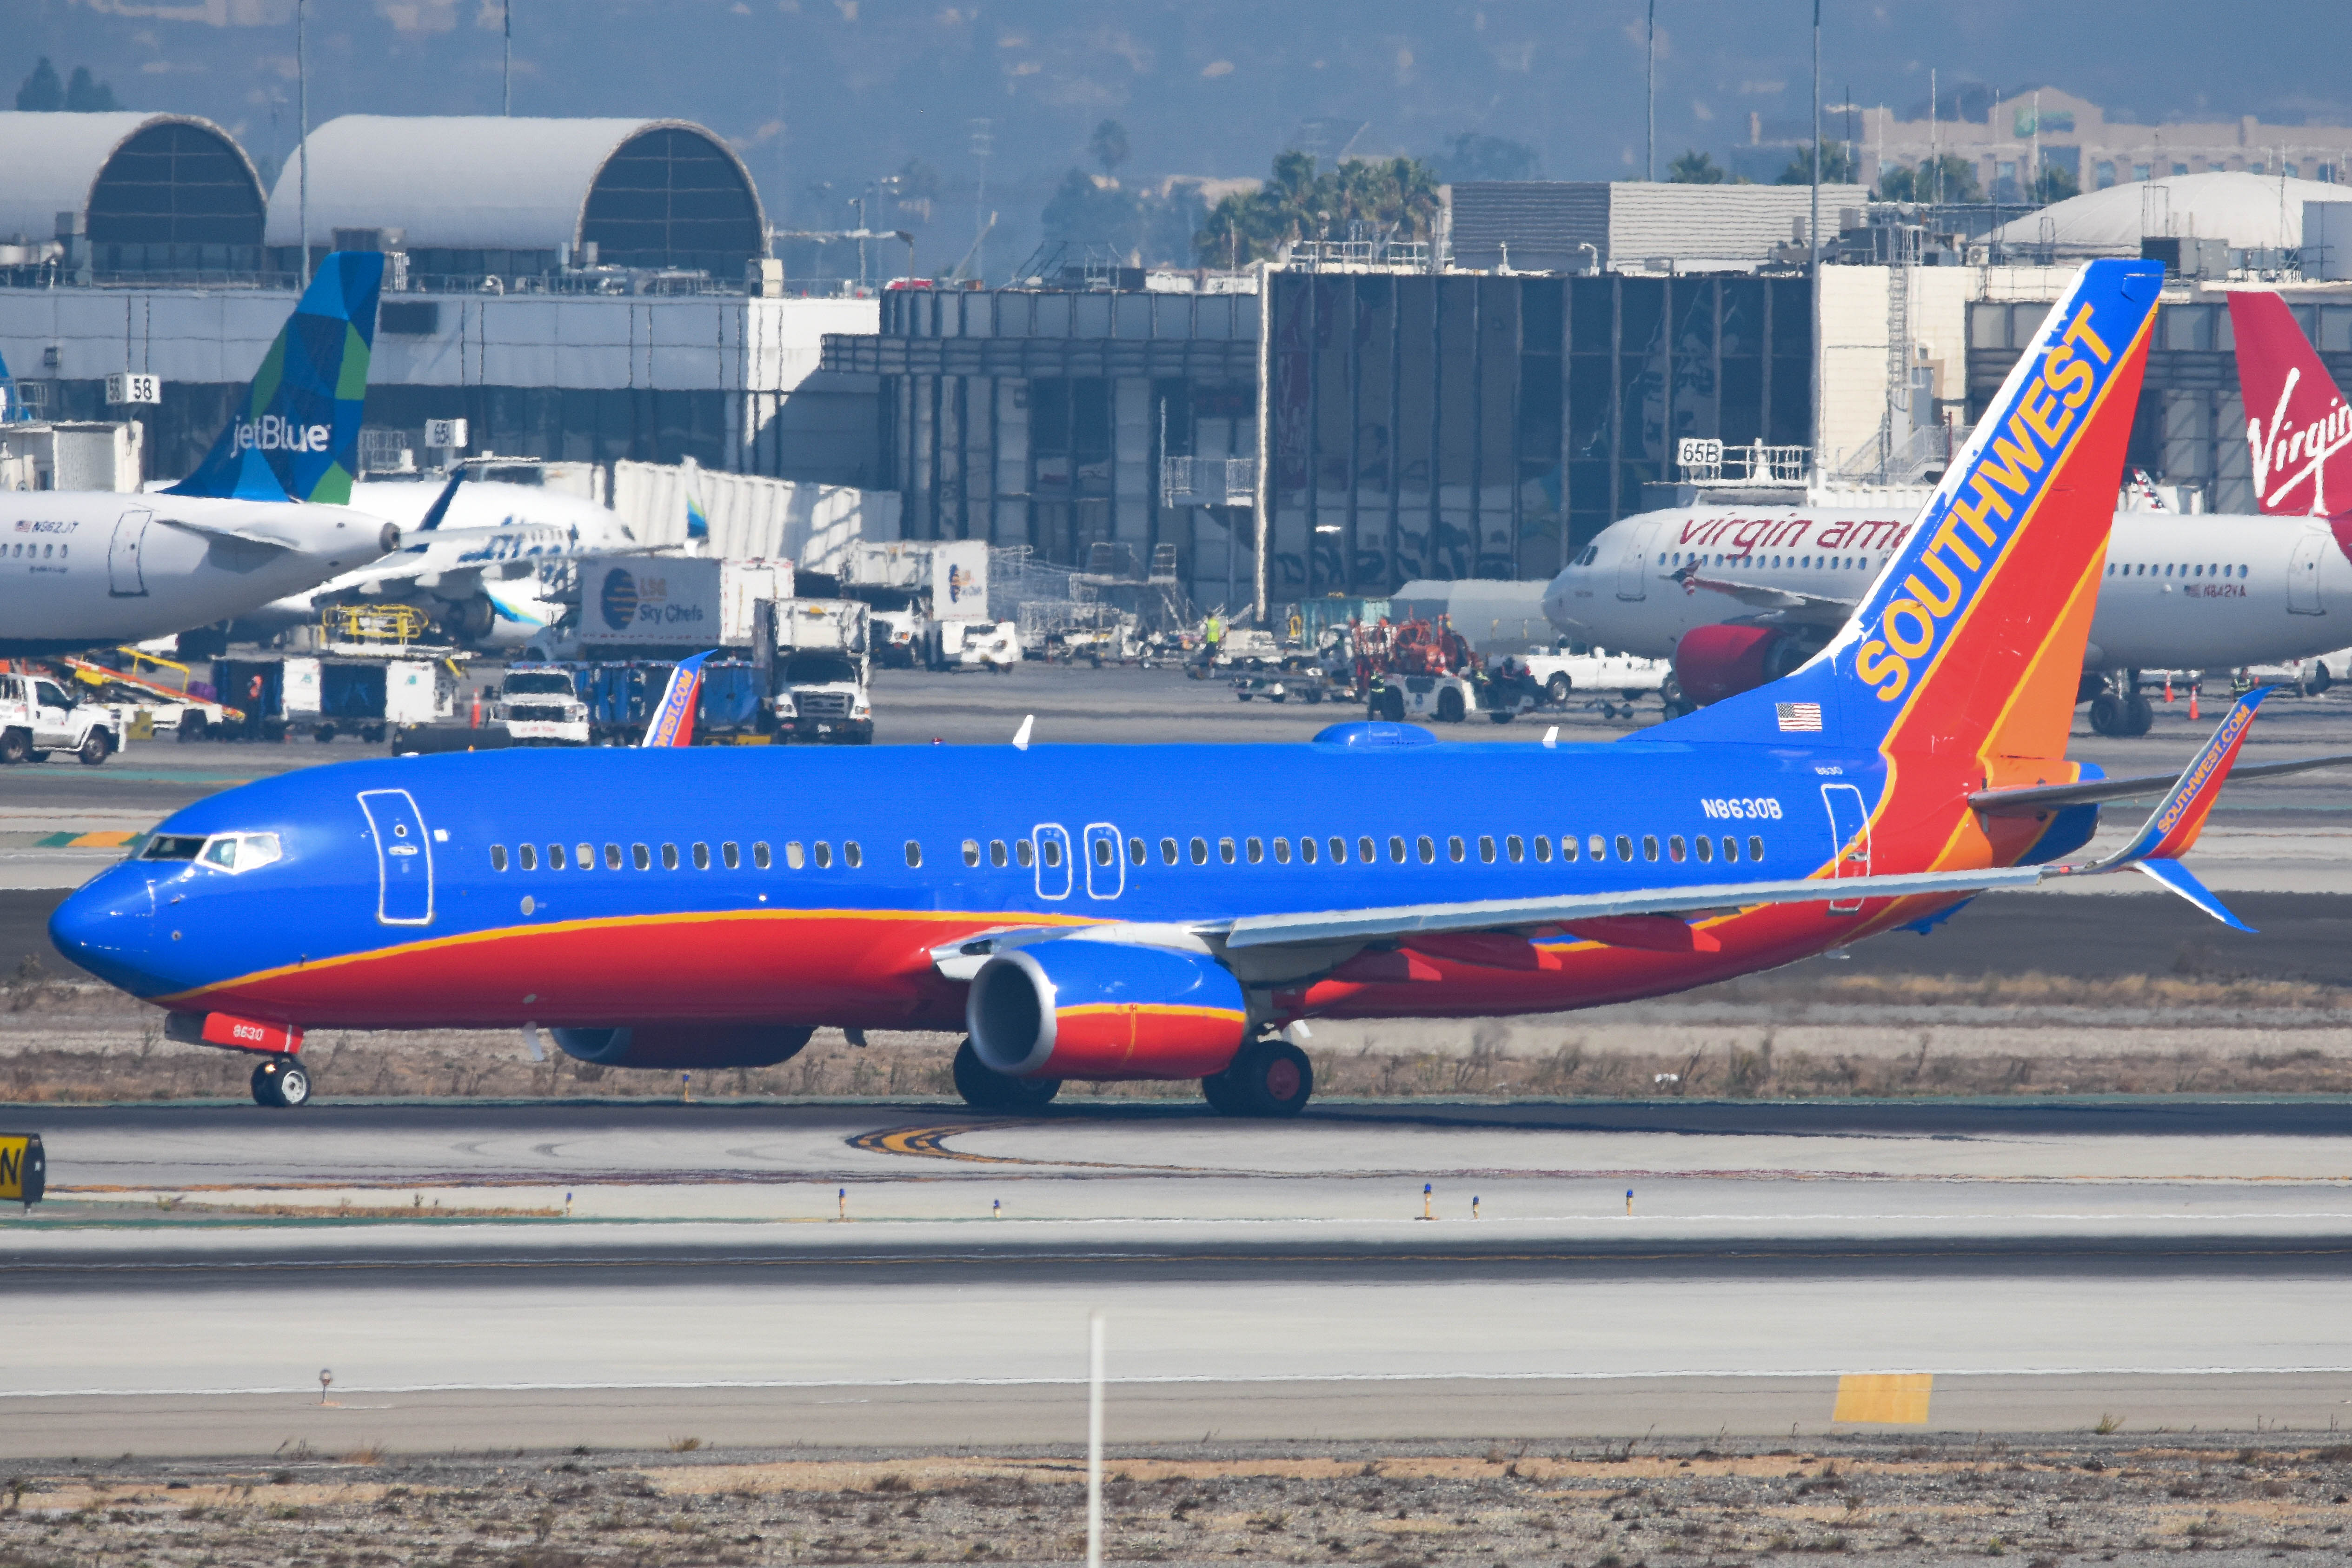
[1972, 640]
[296, 436]
[2298, 427]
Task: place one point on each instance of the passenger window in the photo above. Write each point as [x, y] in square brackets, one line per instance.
[1515, 847]
[730, 856]
[527, 857]
[822, 853]
[794, 856]
[1487, 849]
[1225, 850]
[760, 856]
[1306, 851]
[1052, 850]
[1649, 847]
[1024, 852]
[996, 853]
[1136, 852]
[1705, 848]
[1597, 848]
[1453, 849]
[1396, 850]
[612, 857]
[852, 855]
[1168, 851]
[1756, 848]
[669, 856]
[914, 853]
[1730, 849]
[1566, 846]
[555, 857]
[1428, 850]
[640, 857]
[497, 856]
[1256, 851]
[585, 859]
[1200, 852]
[1624, 847]
[1543, 847]
[1674, 850]
[702, 856]
[1363, 851]
[1282, 851]
[1104, 851]
[972, 851]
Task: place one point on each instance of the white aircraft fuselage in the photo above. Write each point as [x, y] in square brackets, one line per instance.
[82, 569]
[2180, 591]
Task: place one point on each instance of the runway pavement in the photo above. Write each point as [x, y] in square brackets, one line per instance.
[2045, 1263]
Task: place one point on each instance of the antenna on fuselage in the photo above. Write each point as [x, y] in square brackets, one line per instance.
[1021, 736]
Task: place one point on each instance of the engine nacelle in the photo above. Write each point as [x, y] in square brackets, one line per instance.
[1714, 662]
[685, 1045]
[1076, 1008]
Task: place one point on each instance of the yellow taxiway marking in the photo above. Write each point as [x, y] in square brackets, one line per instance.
[1884, 1399]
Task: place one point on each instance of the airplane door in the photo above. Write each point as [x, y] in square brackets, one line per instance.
[1105, 866]
[1850, 836]
[1634, 566]
[1053, 842]
[2302, 575]
[124, 580]
[403, 858]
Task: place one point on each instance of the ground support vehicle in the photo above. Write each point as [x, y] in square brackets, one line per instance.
[975, 645]
[38, 716]
[1447, 698]
[1307, 686]
[539, 706]
[824, 671]
[164, 700]
[366, 691]
[1564, 671]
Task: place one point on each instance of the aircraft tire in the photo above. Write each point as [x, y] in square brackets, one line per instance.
[984, 1089]
[2139, 715]
[1218, 1090]
[281, 1083]
[1270, 1079]
[2106, 714]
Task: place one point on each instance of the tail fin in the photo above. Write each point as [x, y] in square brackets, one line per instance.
[1972, 640]
[673, 720]
[2298, 427]
[298, 435]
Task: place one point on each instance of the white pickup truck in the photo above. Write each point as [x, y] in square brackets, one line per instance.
[38, 716]
[1595, 672]
[542, 707]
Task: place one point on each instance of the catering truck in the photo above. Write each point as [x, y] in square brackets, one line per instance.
[655, 606]
[823, 670]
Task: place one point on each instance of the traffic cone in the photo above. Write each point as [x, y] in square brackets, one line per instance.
[2167, 691]
[2192, 702]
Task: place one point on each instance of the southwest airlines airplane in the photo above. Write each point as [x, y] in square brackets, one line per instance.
[1739, 596]
[266, 514]
[1095, 912]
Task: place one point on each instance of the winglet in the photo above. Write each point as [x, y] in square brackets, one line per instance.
[1021, 736]
[2172, 874]
[673, 720]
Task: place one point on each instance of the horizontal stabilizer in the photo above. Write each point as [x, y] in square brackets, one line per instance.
[2037, 798]
[2174, 875]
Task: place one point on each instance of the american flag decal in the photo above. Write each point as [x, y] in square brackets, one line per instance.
[1798, 715]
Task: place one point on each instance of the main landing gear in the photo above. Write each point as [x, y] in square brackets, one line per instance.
[985, 1089]
[281, 1083]
[1266, 1078]
[2120, 710]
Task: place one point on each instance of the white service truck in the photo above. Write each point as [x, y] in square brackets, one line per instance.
[1595, 672]
[38, 716]
[824, 671]
[541, 708]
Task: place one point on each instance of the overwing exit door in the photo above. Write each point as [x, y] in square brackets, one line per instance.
[403, 858]
[1053, 842]
[1849, 838]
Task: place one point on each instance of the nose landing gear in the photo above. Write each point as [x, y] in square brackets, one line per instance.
[281, 1083]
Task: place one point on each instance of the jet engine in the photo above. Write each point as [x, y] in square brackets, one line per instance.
[1080, 1008]
[685, 1045]
[1714, 662]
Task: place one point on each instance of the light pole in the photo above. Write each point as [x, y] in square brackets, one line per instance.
[302, 114]
[982, 143]
[505, 69]
[1653, 174]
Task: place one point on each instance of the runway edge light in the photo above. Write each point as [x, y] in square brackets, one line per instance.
[24, 1168]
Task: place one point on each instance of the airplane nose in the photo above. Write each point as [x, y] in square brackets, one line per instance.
[108, 927]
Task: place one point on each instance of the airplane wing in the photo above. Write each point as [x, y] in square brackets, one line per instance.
[1786, 604]
[240, 535]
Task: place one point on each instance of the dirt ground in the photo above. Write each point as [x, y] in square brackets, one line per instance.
[1800, 1033]
[2103, 1498]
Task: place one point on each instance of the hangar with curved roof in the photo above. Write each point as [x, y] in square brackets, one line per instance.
[149, 193]
[491, 195]
[2244, 209]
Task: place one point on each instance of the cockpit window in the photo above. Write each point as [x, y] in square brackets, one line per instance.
[241, 851]
[171, 846]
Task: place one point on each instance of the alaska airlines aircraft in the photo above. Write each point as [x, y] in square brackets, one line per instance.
[85, 569]
[1161, 911]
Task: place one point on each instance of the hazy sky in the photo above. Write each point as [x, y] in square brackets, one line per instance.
[842, 91]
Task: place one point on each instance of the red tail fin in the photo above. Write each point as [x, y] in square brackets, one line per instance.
[2298, 427]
